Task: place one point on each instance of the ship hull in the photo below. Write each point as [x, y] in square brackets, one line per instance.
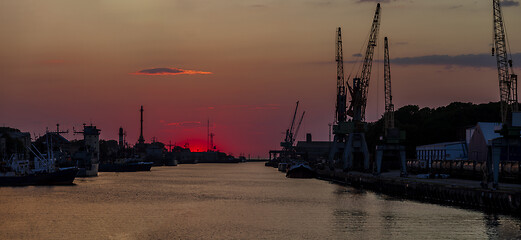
[92, 172]
[300, 171]
[126, 167]
[60, 177]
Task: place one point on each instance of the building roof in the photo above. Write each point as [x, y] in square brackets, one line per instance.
[487, 128]
[439, 145]
[315, 144]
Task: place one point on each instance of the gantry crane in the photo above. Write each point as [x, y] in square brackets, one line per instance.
[509, 145]
[350, 135]
[390, 146]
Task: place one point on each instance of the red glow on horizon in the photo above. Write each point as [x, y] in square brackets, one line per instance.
[195, 145]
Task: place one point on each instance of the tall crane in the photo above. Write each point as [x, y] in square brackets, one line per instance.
[389, 106]
[350, 135]
[507, 78]
[361, 83]
[340, 113]
[390, 147]
[291, 133]
[504, 148]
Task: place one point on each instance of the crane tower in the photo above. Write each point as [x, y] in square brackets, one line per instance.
[349, 140]
[390, 147]
[508, 147]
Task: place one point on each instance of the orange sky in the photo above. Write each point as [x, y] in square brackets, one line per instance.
[72, 62]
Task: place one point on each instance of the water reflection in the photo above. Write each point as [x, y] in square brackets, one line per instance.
[237, 201]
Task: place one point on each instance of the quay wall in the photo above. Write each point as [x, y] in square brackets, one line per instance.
[505, 201]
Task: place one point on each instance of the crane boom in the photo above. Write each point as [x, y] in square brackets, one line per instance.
[506, 76]
[389, 106]
[298, 127]
[361, 84]
[293, 120]
[289, 131]
[340, 113]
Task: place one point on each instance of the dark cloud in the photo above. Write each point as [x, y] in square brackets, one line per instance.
[357, 55]
[161, 70]
[466, 60]
[509, 3]
[168, 71]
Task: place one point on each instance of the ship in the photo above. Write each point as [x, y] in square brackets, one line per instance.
[19, 171]
[126, 165]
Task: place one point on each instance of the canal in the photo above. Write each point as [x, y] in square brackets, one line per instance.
[231, 201]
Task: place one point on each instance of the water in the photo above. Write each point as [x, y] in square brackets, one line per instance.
[230, 201]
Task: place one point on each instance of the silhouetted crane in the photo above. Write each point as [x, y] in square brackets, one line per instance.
[350, 136]
[507, 78]
[390, 149]
[504, 148]
[389, 106]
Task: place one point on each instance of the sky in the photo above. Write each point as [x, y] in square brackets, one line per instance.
[242, 64]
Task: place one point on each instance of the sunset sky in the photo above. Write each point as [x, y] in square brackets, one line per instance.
[241, 63]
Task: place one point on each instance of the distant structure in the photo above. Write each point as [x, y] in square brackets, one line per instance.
[141, 139]
[316, 150]
[88, 159]
[121, 142]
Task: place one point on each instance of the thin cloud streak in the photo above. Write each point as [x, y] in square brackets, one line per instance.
[465, 60]
[168, 71]
[482, 60]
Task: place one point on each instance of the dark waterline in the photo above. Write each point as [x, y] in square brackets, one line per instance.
[230, 201]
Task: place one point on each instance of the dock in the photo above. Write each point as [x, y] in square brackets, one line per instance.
[458, 192]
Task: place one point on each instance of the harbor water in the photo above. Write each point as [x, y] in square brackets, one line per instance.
[231, 201]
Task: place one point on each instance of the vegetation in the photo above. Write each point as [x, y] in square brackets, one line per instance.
[434, 125]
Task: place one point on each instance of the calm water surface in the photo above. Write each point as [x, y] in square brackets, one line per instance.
[230, 201]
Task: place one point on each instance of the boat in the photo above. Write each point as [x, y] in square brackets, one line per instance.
[300, 170]
[17, 172]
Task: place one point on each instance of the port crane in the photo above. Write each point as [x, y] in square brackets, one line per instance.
[291, 134]
[509, 144]
[390, 146]
[506, 76]
[349, 136]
